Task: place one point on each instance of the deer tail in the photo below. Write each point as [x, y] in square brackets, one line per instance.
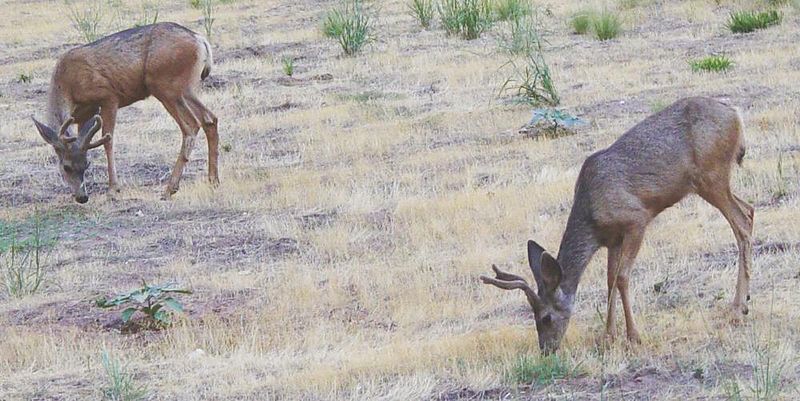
[740, 135]
[208, 58]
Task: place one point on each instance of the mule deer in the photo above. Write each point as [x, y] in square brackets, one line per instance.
[689, 147]
[164, 60]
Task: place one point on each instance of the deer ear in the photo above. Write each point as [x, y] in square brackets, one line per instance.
[535, 252]
[551, 272]
[47, 133]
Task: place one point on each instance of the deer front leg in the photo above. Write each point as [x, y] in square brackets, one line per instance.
[108, 113]
[613, 265]
[628, 251]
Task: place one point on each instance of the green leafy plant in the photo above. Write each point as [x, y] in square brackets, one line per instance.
[512, 10]
[351, 25]
[468, 18]
[749, 21]
[196, 4]
[422, 10]
[555, 119]
[540, 371]
[606, 25]
[287, 62]
[581, 22]
[712, 64]
[87, 21]
[532, 82]
[150, 300]
[121, 385]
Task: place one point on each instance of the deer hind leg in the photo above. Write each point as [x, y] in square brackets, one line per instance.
[739, 215]
[189, 125]
[209, 123]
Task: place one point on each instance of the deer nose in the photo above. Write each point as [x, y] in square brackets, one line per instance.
[82, 198]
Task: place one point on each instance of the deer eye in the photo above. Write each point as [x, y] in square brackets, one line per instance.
[67, 169]
[547, 319]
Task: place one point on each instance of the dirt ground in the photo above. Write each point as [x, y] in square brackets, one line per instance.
[362, 197]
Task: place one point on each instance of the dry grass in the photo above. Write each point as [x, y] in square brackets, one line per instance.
[339, 259]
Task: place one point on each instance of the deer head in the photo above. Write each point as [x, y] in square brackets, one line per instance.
[71, 151]
[552, 309]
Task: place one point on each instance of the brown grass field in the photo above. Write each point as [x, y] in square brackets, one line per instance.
[362, 198]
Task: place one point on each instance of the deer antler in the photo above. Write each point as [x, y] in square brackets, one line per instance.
[509, 281]
[88, 133]
[62, 133]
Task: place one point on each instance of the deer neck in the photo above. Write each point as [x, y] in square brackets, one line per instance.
[578, 245]
[58, 107]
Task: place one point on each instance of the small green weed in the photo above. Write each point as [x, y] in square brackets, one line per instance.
[24, 78]
[287, 62]
[422, 10]
[749, 21]
[606, 25]
[121, 385]
[712, 64]
[150, 300]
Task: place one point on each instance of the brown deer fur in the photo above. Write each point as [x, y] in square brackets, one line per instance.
[689, 147]
[164, 60]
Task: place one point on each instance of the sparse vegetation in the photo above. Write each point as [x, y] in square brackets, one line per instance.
[553, 122]
[148, 13]
[423, 11]
[350, 24]
[121, 385]
[522, 37]
[718, 63]
[512, 10]
[606, 25]
[24, 248]
[749, 21]
[88, 20]
[467, 18]
[152, 300]
[208, 17]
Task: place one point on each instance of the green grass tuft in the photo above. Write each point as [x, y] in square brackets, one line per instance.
[581, 22]
[351, 25]
[712, 64]
[422, 10]
[606, 26]
[468, 18]
[749, 21]
[540, 371]
[512, 10]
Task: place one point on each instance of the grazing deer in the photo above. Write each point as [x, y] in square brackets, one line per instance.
[165, 60]
[689, 147]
